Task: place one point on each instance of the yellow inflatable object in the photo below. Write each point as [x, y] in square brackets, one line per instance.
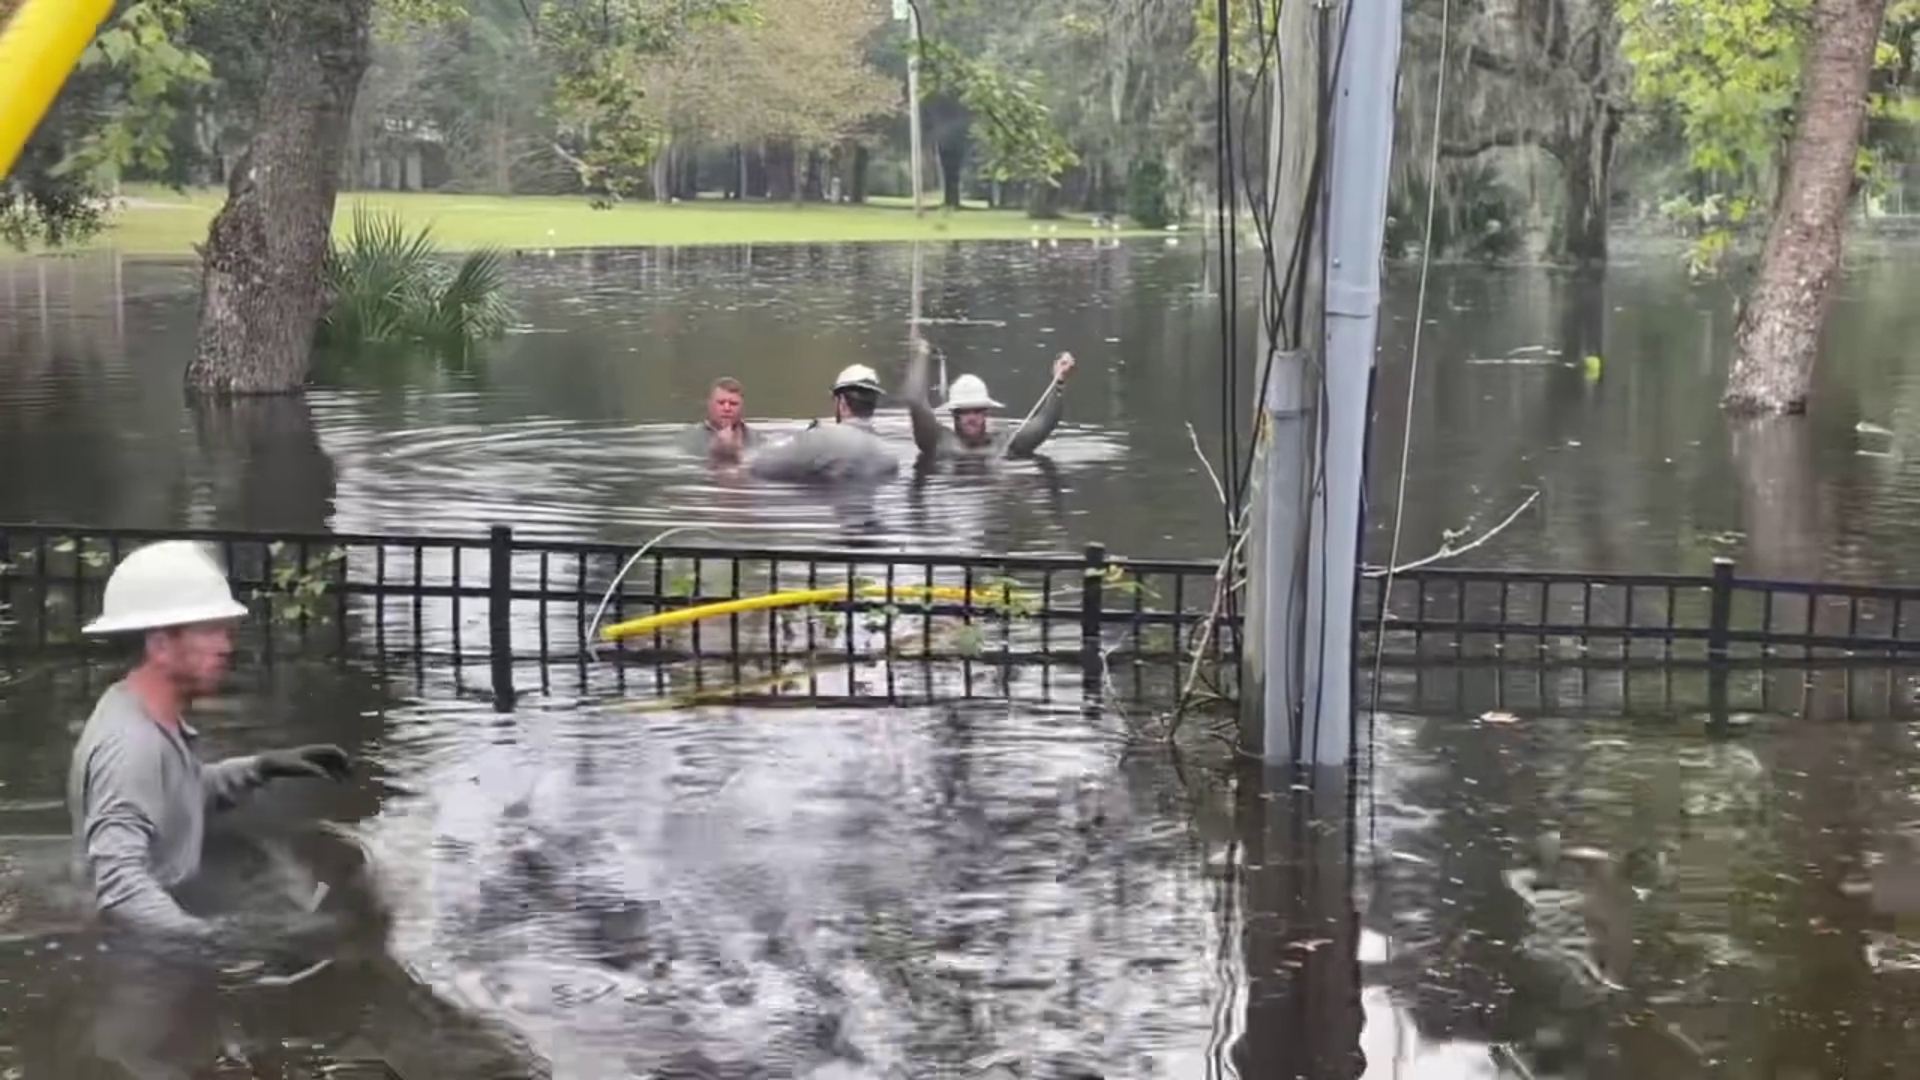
[798, 598]
[38, 48]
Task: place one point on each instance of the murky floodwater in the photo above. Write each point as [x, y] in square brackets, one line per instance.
[998, 889]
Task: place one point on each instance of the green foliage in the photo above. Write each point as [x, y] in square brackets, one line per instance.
[1726, 75]
[388, 285]
[41, 206]
[1147, 194]
[115, 112]
[151, 77]
[601, 51]
[1248, 38]
[1012, 121]
[295, 588]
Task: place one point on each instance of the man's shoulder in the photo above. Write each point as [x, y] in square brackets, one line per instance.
[119, 723]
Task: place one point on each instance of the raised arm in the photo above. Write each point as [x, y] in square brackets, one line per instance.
[120, 806]
[1046, 417]
[927, 431]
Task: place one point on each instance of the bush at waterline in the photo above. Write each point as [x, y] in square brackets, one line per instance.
[387, 284]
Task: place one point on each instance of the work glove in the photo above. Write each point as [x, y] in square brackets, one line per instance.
[319, 761]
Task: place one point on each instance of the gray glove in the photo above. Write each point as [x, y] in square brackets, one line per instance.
[319, 761]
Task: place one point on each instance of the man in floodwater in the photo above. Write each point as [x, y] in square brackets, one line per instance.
[970, 406]
[846, 450]
[137, 790]
[723, 435]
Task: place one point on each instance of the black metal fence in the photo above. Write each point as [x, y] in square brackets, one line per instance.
[1438, 615]
[1129, 626]
[1097, 623]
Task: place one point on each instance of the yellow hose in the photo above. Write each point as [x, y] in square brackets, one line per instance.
[794, 598]
[38, 48]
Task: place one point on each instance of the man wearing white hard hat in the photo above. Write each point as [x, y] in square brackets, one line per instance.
[847, 449]
[970, 406]
[137, 790]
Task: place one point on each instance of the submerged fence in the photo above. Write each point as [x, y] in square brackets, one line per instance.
[1123, 627]
[1110, 626]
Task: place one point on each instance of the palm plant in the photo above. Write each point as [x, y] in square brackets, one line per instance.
[388, 284]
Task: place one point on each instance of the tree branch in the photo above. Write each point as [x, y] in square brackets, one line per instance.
[1482, 142]
[1447, 550]
[1487, 60]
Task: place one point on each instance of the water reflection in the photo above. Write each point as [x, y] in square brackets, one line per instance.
[561, 430]
[1007, 889]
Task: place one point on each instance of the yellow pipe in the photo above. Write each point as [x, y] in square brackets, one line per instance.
[38, 48]
[646, 624]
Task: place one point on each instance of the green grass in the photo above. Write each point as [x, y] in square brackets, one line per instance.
[162, 222]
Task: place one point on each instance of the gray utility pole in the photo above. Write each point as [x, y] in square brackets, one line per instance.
[903, 9]
[1303, 551]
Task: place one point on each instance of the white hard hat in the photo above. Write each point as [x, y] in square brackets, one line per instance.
[970, 392]
[171, 583]
[857, 377]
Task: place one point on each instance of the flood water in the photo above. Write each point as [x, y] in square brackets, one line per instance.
[1005, 888]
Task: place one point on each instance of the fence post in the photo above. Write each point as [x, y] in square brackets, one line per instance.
[1719, 630]
[500, 615]
[1720, 615]
[1092, 599]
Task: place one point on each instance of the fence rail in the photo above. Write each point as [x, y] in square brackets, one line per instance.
[1128, 624]
[1437, 614]
[1131, 626]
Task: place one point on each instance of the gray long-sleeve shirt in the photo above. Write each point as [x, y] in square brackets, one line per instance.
[139, 797]
[827, 453]
[937, 441]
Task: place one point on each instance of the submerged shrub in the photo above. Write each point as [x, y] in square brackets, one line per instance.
[387, 284]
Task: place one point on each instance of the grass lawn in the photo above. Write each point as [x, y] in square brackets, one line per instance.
[161, 222]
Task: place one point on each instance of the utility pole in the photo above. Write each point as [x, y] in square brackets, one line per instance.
[1303, 552]
[907, 10]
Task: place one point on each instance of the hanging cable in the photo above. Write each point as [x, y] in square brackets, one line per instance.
[1413, 381]
[1227, 220]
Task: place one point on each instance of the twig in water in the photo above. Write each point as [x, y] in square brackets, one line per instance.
[1221, 590]
[1447, 550]
[1218, 488]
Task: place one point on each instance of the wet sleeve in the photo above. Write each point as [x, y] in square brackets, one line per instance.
[1041, 424]
[121, 806]
[926, 423]
[226, 782]
[693, 439]
[784, 460]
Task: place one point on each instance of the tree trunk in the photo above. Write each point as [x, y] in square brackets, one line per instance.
[686, 179]
[780, 170]
[660, 174]
[1778, 335]
[1586, 163]
[857, 182]
[262, 292]
[952, 154]
[949, 181]
[754, 173]
[502, 155]
[814, 178]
